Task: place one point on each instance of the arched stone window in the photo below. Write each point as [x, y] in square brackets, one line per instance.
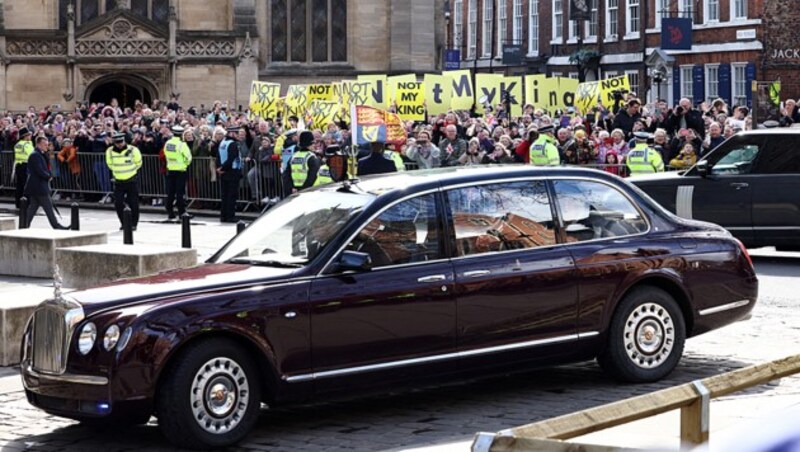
[309, 31]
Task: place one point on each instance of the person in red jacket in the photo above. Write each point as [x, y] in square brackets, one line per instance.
[522, 152]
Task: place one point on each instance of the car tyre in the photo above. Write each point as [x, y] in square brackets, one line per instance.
[210, 397]
[645, 338]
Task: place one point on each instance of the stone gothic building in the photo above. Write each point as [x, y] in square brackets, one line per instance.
[63, 51]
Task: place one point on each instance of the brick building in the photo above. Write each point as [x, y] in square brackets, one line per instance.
[62, 51]
[734, 42]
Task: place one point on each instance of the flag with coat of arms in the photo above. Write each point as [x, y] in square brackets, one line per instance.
[370, 124]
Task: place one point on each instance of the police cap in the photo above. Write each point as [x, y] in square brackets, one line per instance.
[119, 137]
[549, 128]
[177, 129]
[641, 136]
[24, 131]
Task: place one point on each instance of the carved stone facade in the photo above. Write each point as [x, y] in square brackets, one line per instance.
[205, 51]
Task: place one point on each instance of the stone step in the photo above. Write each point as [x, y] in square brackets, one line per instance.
[92, 265]
[8, 223]
[32, 252]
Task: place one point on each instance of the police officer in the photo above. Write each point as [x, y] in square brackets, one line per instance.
[285, 146]
[324, 175]
[124, 161]
[178, 156]
[22, 152]
[544, 151]
[304, 165]
[229, 168]
[643, 159]
[376, 163]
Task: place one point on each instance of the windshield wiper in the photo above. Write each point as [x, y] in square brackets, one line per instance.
[263, 263]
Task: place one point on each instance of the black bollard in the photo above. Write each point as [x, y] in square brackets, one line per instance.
[186, 231]
[75, 218]
[127, 226]
[23, 213]
[240, 226]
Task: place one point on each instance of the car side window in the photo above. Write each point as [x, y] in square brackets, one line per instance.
[738, 157]
[501, 217]
[593, 210]
[780, 157]
[404, 233]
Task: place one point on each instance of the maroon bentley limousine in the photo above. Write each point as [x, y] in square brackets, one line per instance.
[396, 279]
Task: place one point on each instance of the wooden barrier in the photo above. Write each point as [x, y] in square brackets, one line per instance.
[693, 399]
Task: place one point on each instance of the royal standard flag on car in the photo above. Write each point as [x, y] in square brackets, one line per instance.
[372, 124]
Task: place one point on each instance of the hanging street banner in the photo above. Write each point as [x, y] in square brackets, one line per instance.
[581, 9]
[676, 33]
[264, 99]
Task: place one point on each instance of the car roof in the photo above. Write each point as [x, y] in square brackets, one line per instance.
[773, 131]
[419, 180]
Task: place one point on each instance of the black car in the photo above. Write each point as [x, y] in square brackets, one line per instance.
[750, 185]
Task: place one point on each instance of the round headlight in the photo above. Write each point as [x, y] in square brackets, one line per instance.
[111, 338]
[124, 339]
[86, 338]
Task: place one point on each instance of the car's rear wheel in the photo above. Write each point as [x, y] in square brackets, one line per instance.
[210, 397]
[645, 338]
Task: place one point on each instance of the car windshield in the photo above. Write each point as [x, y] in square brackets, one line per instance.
[292, 233]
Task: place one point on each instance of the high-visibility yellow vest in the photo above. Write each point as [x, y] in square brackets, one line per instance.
[644, 160]
[125, 163]
[544, 152]
[323, 176]
[395, 157]
[299, 167]
[178, 155]
[22, 151]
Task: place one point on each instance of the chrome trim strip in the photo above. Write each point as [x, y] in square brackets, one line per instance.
[434, 358]
[724, 307]
[66, 378]
[683, 201]
[763, 228]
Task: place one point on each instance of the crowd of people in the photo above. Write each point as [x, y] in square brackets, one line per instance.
[603, 137]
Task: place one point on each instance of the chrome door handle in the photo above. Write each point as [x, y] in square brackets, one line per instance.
[432, 278]
[739, 185]
[476, 273]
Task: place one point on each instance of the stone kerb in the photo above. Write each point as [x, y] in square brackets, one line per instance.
[86, 266]
[8, 223]
[32, 252]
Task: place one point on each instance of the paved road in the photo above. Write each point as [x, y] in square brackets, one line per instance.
[452, 414]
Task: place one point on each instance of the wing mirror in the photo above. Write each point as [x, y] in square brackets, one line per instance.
[702, 168]
[354, 261]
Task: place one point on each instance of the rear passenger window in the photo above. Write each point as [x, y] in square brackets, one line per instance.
[780, 156]
[501, 217]
[592, 210]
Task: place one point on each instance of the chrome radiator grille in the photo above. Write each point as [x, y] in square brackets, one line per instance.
[49, 337]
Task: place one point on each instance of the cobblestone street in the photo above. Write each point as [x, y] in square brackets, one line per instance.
[453, 413]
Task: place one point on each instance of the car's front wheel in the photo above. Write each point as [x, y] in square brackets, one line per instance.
[210, 397]
[645, 338]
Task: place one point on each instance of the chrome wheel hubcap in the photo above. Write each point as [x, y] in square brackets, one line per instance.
[649, 335]
[220, 394]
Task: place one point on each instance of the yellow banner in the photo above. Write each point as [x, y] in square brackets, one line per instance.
[567, 87]
[323, 112]
[533, 91]
[609, 85]
[320, 92]
[263, 99]
[297, 100]
[356, 92]
[379, 95]
[437, 93]
[512, 86]
[410, 101]
[394, 80]
[487, 91]
[463, 94]
[587, 96]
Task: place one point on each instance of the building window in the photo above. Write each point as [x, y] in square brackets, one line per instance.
[502, 25]
[612, 8]
[712, 82]
[686, 9]
[472, 28]
[517, 33]
[687, 88]
[662, 11]
[739, 84]
[573, 75]
[633, 79]
[157, 10]
[591, 26]
[533, 27]
[573, 30]
[556, 74]
[558, 20]
[309, 31]
[632, 18]
[711, 9]
[486, 37]
[738, 9]
[457, 24]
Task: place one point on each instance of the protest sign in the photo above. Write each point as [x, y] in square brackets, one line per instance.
[323, 112]
[379, 95]
[463, 94]
[410, 101]
[487, 89]
[438, 90]
[263, 99]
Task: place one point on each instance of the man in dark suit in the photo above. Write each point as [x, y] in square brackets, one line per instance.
[37, 188]
[376, 163]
